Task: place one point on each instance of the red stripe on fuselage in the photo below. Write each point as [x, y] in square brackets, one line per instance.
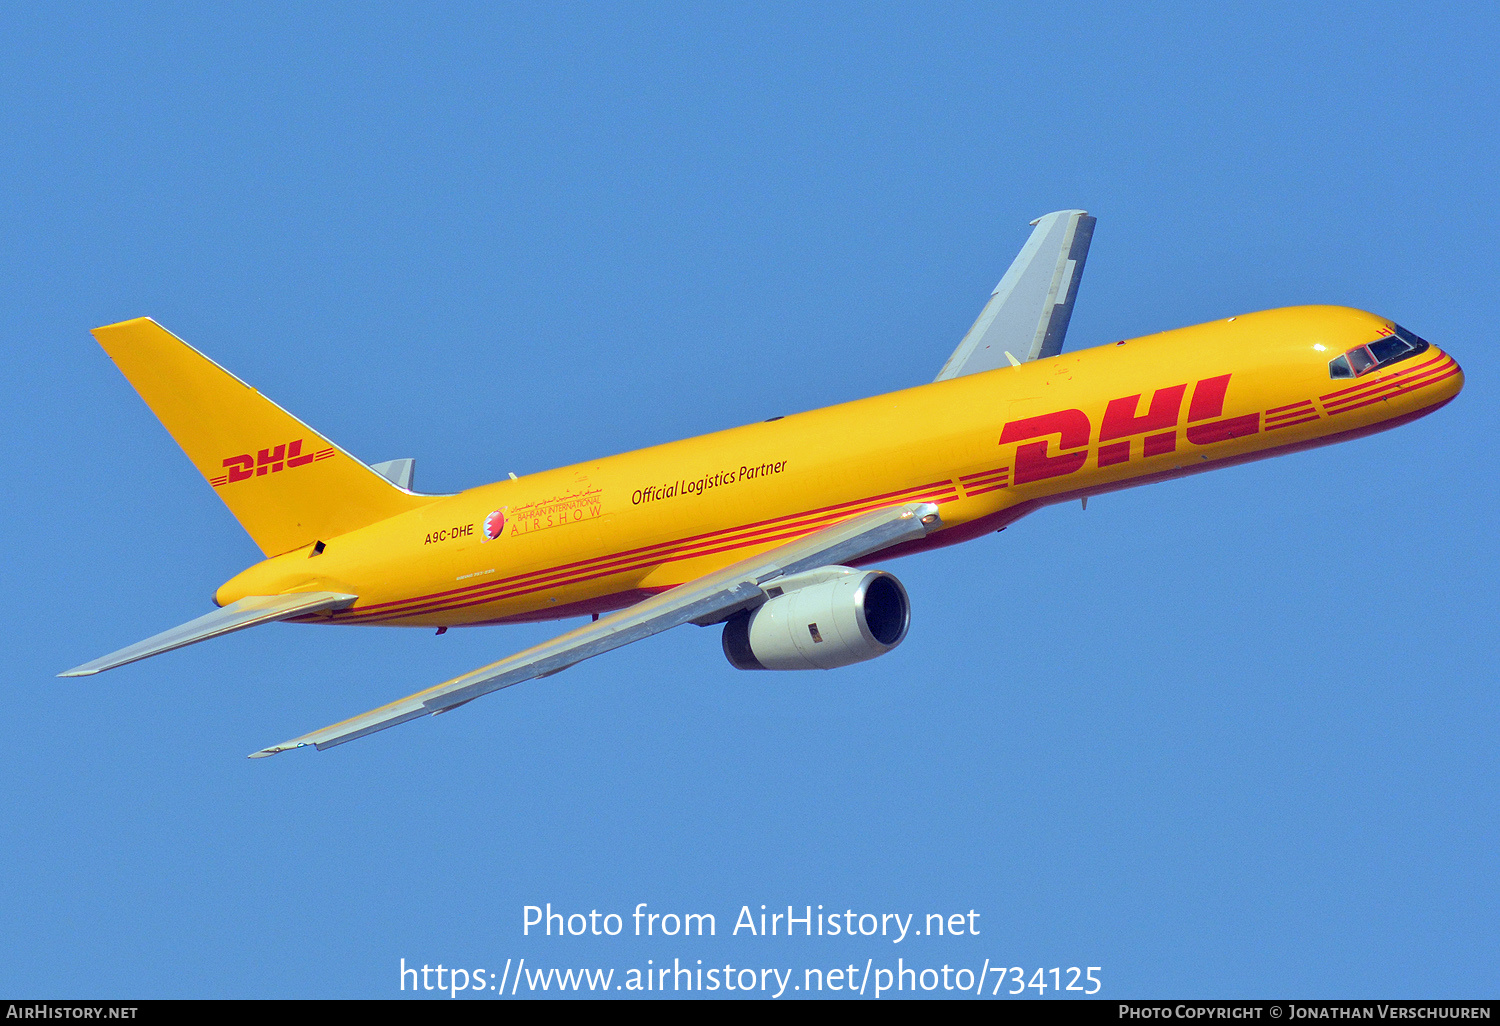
[662, 549]
[1312, 416]
[1393, 383]
[512, 587]
[1412, 386]
[774, 529]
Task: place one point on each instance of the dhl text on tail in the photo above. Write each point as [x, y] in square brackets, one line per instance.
[764, 528]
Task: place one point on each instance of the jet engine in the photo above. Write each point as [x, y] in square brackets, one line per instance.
[829, 617]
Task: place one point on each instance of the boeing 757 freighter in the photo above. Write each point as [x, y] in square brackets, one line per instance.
[766, 529]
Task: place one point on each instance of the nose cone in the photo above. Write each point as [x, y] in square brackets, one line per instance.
[1411, 387]
[1429, 383]
[1452, 381]
[1444, 378]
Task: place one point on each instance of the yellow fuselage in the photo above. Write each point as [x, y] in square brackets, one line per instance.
[988, 448]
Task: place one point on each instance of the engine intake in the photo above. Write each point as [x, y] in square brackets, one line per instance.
[833, 616]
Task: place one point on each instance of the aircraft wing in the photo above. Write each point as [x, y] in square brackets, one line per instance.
[707, 600]
[246, 612]
[1027, 315]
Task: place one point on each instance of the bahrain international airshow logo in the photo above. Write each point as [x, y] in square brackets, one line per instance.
[493, 525]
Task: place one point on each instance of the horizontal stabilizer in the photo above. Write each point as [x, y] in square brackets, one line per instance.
[1028, 313]
[247, 612]
[397, 472]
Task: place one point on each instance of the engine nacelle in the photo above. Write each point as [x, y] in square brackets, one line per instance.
[829, 617]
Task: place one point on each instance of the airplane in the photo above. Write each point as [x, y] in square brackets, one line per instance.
[767, 529]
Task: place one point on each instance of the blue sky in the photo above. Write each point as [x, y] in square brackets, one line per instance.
[1228, 736]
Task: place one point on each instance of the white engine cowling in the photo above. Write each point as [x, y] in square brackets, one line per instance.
[820, 619]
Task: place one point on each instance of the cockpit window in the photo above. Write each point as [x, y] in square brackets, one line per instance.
[1387, 349]
[1403, 345]
[1361, 360]
[1417, 342]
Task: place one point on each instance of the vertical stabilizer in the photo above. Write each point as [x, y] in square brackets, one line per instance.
[287, 485]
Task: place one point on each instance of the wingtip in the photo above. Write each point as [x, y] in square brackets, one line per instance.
[273, 750]
[1054, 213]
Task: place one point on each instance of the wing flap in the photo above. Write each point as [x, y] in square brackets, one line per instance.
[1028, 313]
[246, 612]
[717, 594]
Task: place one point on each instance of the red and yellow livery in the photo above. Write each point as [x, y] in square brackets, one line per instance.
[759, 527]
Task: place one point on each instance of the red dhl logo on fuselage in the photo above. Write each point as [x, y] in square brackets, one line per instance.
[1123, 421]
[267, 461]
[1157, 427]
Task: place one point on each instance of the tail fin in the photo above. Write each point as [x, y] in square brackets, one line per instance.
[287, 485]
